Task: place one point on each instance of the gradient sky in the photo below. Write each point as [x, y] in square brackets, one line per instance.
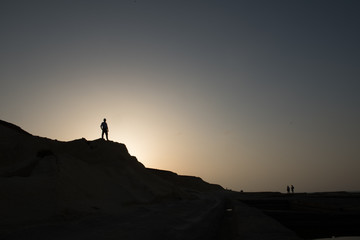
[252, 95]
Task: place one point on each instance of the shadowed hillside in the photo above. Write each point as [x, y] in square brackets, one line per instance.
[90, 190]
[186, 182]
[43, 178]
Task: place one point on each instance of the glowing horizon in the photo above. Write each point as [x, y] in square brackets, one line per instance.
[253, 96]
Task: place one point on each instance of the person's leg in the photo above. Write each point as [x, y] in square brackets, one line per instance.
[107, 138]
[102, 135]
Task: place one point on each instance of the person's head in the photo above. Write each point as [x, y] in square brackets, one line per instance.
[104, 119]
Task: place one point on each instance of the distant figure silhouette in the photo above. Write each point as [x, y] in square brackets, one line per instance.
[292, 188]
[105, 129]
[288, 189]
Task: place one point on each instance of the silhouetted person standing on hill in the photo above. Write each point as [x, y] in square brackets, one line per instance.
[288, 189]
[105, 129]
[292, 188]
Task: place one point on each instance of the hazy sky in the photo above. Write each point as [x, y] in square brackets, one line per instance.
[253, 95]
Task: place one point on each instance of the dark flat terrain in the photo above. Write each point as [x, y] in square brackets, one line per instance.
[312, 215]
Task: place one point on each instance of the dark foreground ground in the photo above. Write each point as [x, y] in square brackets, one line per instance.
[313, 215]
[221, 215]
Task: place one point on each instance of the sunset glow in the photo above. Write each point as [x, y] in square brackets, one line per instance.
[252, 95]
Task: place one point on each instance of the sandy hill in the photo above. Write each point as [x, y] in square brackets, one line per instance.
[42, 178]
[90, 190]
